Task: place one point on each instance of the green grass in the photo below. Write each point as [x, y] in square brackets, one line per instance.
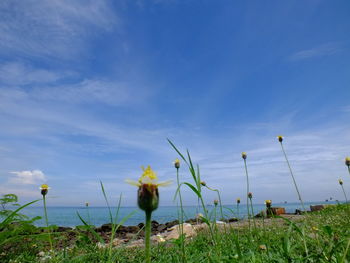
[320, 237]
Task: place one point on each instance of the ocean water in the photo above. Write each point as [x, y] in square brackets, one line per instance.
[67, 216]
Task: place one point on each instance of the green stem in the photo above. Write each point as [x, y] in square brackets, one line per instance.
[295, 184]
[206, 216]
[237, 211]
[221, 213]
[148, 236]
[251, 205]
[246, 172]
[182, 237]
[346, 199]
[349, 169]
[88, 214]
[47, 222]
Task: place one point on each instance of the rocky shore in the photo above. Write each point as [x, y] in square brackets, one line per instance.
[133, 235]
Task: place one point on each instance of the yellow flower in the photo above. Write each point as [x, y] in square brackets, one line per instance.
[238, 200]
[280, 138]
[44, 189]
[314, 228]
[244, 155]
[347, 161]
[262, 247]
[268, 203]
[148, 196]
[177, 163]
[340, 181]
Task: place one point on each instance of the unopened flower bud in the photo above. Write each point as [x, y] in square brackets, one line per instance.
[238, 200]
[177, 163]
[250, 195]
[280, 138]
[44, 189]
[268, 203]
[340, 181]
[347, 161]
[203, 183]
[244, 155]
[148, 197]
[86, 204]
[216, 202]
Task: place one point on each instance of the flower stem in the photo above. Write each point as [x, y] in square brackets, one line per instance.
[291, 172]
[148, 236]
[182, 237]
[251, 205]
[88, 214]
[47, 222]
[346, 199]
[246, 172]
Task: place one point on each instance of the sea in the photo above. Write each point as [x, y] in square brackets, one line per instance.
[68, 216]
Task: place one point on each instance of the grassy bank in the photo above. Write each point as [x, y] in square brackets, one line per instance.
[316, 237]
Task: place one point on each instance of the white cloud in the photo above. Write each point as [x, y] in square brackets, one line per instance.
[15, 73]
[319, 51]
[27, 177]
[56, 28]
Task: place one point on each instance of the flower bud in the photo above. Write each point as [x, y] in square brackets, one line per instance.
[268, 203]
[148, 197]
[250, 195]
[238, 200]
[244, 155]
[86, 204]
[44, 189]
[203, 183]
[340, 181]
[347, 161]
[262, 247]
[216, 202]
[280, 138]
[177, 163]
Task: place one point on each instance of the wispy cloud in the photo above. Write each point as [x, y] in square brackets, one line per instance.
[27, 177]
[319, 51]
[54, 28]
[16, 73]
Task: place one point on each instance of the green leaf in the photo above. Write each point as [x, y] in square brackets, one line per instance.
[8, 220]
[100, 239]
[109, 208]
[182, 157]
[193, 189]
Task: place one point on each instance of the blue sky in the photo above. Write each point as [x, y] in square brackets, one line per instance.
[90, 90]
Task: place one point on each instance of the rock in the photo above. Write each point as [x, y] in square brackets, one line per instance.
[106, 227]
[161, 228]
[315, 208]
[174, 232]
[63, 229]
[136, 243]
[117, 241]
[158, 238]
[172, 223]
[154, 225]
[278, 210]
